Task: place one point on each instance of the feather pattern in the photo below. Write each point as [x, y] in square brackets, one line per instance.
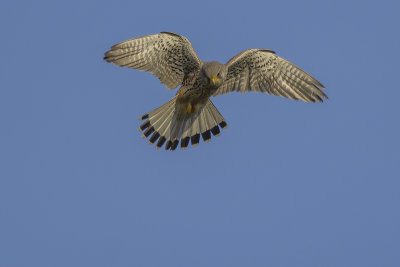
[169, 56]
[162, 124]
[260, 70]
[190, 115]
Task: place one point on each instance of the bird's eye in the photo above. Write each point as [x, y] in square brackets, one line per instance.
[219, 75]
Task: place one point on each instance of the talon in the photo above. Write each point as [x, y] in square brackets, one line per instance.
[189, 108]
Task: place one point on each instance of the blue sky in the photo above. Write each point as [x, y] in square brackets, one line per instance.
[287, 184]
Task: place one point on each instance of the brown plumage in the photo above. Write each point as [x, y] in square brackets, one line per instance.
[191, 114]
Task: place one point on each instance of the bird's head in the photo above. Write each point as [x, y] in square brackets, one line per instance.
[215, 73]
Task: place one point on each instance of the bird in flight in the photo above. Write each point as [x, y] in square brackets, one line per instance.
[191, 114]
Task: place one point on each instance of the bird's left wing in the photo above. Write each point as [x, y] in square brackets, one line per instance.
[168, 56]
[261, 70]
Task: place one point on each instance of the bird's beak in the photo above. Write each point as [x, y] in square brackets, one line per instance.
[213, 80]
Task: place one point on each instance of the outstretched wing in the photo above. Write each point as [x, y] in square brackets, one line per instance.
[261, 70]
[168, 56]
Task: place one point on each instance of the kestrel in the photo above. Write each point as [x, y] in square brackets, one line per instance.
[172, 59]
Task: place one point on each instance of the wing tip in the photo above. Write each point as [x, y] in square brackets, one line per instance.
[267, 50]
[171, 33]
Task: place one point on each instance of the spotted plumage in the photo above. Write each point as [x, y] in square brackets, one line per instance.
[191, 114]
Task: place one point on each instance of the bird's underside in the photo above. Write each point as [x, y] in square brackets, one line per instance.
[191, 114]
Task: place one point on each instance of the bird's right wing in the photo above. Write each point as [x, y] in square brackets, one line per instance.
[168, 56]
[260, 70]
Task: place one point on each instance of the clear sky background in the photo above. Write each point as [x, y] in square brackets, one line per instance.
[287, 184]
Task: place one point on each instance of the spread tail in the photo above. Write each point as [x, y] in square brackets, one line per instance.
[164, 125]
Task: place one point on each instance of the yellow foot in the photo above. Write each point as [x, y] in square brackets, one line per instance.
[189, 108]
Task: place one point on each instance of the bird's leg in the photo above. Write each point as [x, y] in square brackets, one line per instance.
[183, 108]
[189, 108]
[193, 108]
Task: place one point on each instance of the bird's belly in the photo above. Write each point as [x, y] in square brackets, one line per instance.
[191, 99]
